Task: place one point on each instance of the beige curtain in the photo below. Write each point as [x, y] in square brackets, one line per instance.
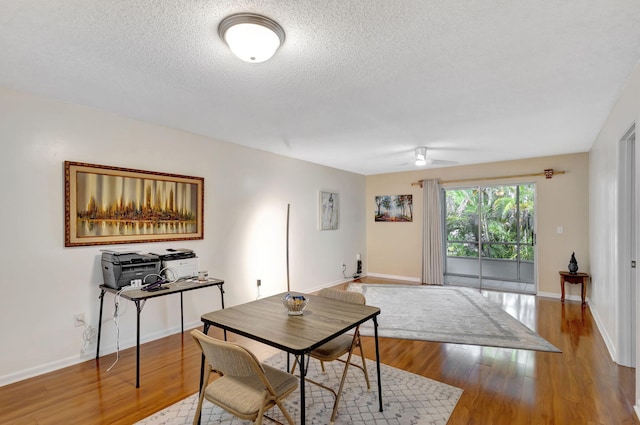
[432, 246]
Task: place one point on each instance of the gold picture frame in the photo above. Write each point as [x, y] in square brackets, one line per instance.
[107, 205]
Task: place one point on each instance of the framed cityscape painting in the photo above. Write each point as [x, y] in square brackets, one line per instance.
[111, 205]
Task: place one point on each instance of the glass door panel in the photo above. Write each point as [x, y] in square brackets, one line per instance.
[461, 232]
[489, 236]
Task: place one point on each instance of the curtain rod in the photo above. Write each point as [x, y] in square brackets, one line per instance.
[548, 173]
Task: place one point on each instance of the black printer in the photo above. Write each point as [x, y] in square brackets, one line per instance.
[120, 268]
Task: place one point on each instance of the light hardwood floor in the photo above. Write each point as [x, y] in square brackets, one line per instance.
[501, 386]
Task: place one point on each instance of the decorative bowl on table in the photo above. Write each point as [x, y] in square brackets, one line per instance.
[295, 304]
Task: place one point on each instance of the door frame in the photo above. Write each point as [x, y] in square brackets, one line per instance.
[480, 260]
[627, 320]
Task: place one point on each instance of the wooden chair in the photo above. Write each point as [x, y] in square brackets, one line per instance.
[245, 387]
[339, 346]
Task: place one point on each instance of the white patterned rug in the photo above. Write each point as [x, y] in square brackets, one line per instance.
[446, 314]
[407, 399]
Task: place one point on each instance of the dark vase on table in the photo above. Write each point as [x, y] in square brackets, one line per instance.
[573, 264]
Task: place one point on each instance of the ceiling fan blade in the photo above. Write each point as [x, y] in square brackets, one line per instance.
[441, 162]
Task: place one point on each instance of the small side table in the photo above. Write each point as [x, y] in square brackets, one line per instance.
[580, 278]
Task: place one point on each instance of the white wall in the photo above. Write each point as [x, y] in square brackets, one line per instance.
[247, 191]
[604, 184]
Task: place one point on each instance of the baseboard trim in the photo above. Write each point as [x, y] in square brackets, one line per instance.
[90, 354]
[548, 295]
[393, 277]
[42, 369]
[329, 285]
[603, 332]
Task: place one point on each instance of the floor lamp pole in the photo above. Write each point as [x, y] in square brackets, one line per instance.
[288, 283]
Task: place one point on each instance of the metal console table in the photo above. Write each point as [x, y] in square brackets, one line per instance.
[139, 297]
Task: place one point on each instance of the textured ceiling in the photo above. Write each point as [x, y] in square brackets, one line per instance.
[356, 86]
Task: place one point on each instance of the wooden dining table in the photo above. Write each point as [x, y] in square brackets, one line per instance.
[266, 320]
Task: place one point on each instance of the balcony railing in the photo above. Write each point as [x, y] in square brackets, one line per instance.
[492, 268]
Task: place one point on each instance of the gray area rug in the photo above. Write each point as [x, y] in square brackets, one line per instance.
[446, 314]
[407, 399]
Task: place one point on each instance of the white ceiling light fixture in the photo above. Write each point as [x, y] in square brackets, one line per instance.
[421, 156]
[253, 38]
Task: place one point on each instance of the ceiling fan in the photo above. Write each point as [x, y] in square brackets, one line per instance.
[421, 159]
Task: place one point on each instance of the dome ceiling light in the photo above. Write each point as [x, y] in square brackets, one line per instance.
[253, 38]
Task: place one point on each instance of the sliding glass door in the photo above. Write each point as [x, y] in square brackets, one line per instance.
[490, 239]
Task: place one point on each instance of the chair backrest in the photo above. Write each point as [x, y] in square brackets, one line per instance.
[227, 357]
[342, 295]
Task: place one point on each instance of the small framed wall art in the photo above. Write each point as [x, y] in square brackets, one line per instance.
[394, 208]
[329, 208]
[111, 205]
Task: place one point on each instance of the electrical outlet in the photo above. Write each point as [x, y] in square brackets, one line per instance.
[259, 283]
[78, 319]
